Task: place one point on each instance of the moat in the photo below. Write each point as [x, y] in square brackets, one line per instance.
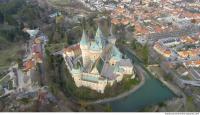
[152, 92]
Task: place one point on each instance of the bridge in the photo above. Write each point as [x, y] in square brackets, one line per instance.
[189, 82]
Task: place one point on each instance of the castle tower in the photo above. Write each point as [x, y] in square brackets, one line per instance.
[98, 38]
[84, 45]
[116, 55]
[96, 46]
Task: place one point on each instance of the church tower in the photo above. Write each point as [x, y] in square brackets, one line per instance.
[96, 46]
[84, 45]
[98, 38]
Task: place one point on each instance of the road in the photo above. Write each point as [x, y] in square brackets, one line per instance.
[195, 73]
[189, 82]
[179, 80]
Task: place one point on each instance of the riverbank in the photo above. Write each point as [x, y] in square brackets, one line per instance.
[172, 87]
[135, 88]
[181, 97]
[145, 96]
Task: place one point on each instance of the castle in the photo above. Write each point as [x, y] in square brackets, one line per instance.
[95, 63]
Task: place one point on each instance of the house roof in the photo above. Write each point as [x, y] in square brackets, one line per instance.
[37, 40]
[72, 48]
[28, 65]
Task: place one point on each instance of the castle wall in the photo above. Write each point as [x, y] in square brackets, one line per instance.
[128, 70]
[99, 86]
[94, 55]
[119, 78]
[85, 56]
[111, 82]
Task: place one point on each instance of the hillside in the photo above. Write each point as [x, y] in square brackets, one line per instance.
[14, 16]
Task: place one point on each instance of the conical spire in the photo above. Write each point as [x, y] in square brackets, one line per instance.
[116, 53]
[98, 37]
[84, 39]
[99, 34]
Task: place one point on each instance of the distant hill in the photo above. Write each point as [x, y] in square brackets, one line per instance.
[14, 16]
[4, 1]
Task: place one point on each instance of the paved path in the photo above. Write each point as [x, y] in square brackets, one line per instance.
[135, 88]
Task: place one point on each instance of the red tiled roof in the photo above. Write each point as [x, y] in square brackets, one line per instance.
[28, 65]
[115, 21]
[38, 55]
[72, 48]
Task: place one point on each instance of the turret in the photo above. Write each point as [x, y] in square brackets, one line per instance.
[84, 43]
[99, 37]
[115, 55]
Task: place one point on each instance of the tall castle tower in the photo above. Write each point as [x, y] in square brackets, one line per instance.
[84, 45]
[91, 50]
[98, 38]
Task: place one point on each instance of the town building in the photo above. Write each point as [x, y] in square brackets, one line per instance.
[195, 63]
[20, 77]
[166, 52]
